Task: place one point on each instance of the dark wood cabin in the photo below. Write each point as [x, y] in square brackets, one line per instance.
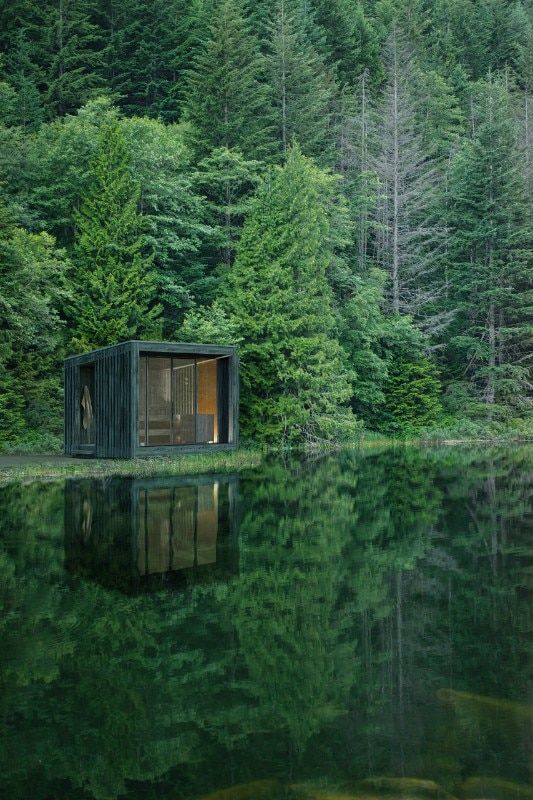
[151, 398]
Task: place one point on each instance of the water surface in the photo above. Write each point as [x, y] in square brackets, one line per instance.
[354, 625]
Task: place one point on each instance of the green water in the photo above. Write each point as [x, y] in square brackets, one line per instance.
[290, 632]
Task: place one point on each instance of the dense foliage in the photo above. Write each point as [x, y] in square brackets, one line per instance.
[375, 156]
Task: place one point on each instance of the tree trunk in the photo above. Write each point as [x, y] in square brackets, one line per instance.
[395, 195]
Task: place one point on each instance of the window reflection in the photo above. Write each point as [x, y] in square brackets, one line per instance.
[129, 533]
[178, 528]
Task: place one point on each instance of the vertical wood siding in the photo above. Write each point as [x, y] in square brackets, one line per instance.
[72, 418]
[113, 404]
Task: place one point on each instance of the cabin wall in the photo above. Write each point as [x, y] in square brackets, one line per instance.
[72, 407]
[113, 403]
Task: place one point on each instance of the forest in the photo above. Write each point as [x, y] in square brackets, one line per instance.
[340, 187]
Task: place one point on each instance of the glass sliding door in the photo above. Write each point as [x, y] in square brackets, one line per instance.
[207, 423]
[159, 401]
[183, 400]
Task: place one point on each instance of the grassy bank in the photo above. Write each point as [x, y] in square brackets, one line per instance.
[22, 463]
[43, 467]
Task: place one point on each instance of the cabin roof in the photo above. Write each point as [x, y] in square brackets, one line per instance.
[160, 347]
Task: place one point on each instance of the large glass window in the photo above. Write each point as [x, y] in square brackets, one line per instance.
[159, 401]
[183, 400]
[207, 401]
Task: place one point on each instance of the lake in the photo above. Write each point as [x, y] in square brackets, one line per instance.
[348, 626]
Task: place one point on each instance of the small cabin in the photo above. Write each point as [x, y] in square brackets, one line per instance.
[151, 398]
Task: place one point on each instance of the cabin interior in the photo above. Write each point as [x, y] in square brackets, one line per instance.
[182, 400]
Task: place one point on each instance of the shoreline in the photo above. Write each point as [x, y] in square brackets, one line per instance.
[24, 467]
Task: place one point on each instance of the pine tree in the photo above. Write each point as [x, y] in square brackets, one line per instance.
[351, 41]
[227, 180]
[302, 87]
[295, 387]
[227, 98]
[410, 231]
[491, 260]
[74, 68]
[114, 282]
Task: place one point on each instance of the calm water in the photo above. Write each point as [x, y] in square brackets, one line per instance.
[352, 626]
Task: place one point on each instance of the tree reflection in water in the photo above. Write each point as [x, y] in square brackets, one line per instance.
[349, 624]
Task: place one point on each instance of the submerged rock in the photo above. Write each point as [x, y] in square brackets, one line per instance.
[325, 794]
[257, 790]
[481, 703]
[494, 789]
[405, 788]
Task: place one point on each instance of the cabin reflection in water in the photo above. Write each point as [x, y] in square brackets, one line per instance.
[140, 534]
[178, 527]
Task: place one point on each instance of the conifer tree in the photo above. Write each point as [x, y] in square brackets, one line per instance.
[24, 77]
[74, 68]
[175, 215]
[227, 180]
[409, 244]
[351, 41]
[295, 386]
[114, 281]
[490, 249]
[302, 88]
[227, 98]
[149, 48]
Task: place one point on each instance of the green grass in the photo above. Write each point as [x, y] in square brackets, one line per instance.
[45, 465]
[229, 461]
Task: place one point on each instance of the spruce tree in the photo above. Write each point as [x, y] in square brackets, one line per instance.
[295, 386]
[114, 281]
[351, 42]
[227, 98]
[74, 63]
[302, 88]
[227, 180]
[490, 347]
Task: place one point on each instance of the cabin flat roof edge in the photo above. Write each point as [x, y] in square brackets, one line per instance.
[228, 349]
